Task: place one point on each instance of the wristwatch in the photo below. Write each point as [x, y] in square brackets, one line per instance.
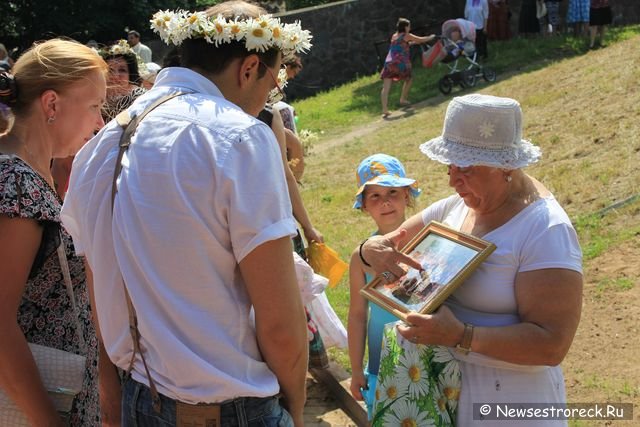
[464, 346]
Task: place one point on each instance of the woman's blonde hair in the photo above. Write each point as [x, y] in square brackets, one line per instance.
[52, 65]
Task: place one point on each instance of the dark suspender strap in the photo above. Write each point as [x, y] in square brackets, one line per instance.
[130, 125]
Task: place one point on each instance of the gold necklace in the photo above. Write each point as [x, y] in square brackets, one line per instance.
[32, 159]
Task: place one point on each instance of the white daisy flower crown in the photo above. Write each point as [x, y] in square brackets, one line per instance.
[120, 48]
[259, 34]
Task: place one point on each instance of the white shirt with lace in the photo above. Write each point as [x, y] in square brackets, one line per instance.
[538, 237]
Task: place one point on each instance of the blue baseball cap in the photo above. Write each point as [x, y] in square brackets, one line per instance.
[387, 171]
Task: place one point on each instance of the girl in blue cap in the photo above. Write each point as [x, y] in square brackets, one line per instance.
[384, 193]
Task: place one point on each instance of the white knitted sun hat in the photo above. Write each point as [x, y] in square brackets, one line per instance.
[482, 130]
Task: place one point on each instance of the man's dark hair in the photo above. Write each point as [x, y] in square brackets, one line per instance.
[197, 53]
[171, 58]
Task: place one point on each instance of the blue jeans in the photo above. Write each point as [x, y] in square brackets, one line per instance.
[241, 412]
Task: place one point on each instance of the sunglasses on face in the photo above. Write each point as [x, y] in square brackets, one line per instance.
[276, 94]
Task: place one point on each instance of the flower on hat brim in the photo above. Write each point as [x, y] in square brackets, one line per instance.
[482, 130]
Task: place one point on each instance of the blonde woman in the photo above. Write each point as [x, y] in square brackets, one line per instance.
[124, 85]
[55, 93]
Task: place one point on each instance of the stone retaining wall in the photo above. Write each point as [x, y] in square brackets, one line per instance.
[350, 37]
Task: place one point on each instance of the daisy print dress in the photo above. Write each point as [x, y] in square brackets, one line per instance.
[418, 385]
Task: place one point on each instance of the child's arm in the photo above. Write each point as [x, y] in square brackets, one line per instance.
[357, 325]
[299, 211]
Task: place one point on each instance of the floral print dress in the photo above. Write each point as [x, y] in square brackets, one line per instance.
[45, 314]
[418, 385]
[117, 104]
[397, 65]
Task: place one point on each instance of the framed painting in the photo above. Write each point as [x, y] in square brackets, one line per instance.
[447, 258]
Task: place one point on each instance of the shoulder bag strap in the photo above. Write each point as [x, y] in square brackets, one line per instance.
[130, 124]
[64, 266]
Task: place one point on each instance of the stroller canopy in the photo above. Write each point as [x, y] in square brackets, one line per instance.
[467, 29]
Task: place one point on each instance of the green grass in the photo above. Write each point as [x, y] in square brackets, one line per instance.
[599, 233]
[630, 390]
[580, 107]
[619, 284]
[612, 284]
[340, 109]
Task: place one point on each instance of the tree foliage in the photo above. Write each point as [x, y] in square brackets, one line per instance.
[24, 21]
[299, 4]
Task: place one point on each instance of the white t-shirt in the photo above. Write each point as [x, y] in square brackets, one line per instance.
[538, 237]
[202, 186]
[477, 14]
[143, 51]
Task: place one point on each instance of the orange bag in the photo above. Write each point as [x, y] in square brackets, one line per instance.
[433, 55]
[326, 262]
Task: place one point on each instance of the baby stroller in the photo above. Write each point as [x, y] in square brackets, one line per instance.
[457, 50]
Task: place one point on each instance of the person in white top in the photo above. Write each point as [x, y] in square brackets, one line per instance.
[200, 235]
[513, 320]
[142, 50]
[477, 11]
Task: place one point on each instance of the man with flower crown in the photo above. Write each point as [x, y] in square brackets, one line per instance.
[194, 237]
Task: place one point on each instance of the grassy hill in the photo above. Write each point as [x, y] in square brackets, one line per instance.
[583, 109]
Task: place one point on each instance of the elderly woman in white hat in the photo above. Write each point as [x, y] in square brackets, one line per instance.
[513, 320]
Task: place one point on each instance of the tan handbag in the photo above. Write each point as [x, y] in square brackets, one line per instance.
[62, 372]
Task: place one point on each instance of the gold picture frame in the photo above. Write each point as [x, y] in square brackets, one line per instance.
[447, 257]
